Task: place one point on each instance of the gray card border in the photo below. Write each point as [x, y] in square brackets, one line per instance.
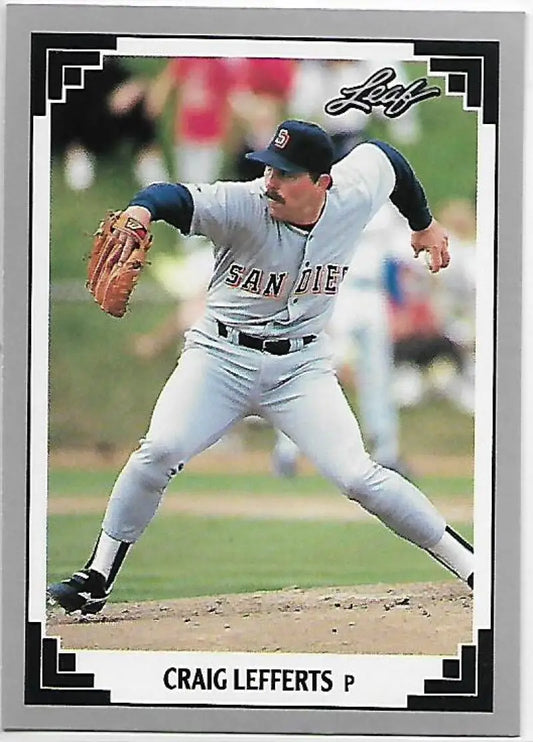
[509, 30]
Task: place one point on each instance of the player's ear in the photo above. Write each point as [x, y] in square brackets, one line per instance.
[324, 181]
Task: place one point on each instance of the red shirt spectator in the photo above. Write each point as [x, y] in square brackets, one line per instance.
[204, 85]
[263, 76]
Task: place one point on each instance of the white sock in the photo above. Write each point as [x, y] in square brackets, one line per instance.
[455, 553]
[105, 555]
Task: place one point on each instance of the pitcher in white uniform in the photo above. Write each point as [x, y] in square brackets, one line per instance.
[282, 246]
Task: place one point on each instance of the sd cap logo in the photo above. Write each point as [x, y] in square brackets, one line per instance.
[282, 138]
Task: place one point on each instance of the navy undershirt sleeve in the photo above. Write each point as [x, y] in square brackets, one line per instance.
[171, 202]
[408, 195]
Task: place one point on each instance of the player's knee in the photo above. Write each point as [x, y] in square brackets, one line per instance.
[157, 456]
[362, 481]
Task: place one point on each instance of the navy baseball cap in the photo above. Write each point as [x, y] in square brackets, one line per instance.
[298, 147]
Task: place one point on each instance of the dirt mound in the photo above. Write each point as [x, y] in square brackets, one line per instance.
[421, 618]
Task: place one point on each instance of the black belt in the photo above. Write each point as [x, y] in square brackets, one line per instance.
[275, 347]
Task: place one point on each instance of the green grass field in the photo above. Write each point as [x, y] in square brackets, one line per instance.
[64, 483]
[184, 555]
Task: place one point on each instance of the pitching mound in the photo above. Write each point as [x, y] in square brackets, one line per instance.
[430, 618]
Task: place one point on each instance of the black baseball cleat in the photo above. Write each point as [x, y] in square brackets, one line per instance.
[470, 581]
[85, 591]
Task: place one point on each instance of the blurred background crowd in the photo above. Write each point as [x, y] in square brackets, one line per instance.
[400, 336]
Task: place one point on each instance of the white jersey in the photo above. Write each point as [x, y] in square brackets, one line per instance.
[271, 278]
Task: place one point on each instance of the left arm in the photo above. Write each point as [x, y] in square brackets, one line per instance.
[409, 198]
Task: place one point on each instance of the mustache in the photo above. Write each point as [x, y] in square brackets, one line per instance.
[274, 196]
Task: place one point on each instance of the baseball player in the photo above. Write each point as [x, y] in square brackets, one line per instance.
[282, 245]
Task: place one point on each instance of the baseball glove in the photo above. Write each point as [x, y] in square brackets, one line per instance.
[110, 280]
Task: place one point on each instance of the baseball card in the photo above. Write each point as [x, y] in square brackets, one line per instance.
[262, 466]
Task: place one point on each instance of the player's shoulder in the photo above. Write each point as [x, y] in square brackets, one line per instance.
[249, 195]
[229, 195]
[356, 162]
[365, 168]
[231, 189]
[237, 204]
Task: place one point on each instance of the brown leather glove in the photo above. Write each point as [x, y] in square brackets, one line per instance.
[110, 279]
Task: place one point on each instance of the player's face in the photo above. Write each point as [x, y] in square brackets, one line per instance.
[294, 198]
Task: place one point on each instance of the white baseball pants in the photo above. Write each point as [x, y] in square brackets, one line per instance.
[217, 383]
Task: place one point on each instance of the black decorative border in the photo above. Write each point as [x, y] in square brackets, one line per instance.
[473, 69]
[51, 677]
[467, 683]
[58, 62]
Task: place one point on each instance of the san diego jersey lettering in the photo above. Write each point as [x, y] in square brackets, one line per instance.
[269, 273]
